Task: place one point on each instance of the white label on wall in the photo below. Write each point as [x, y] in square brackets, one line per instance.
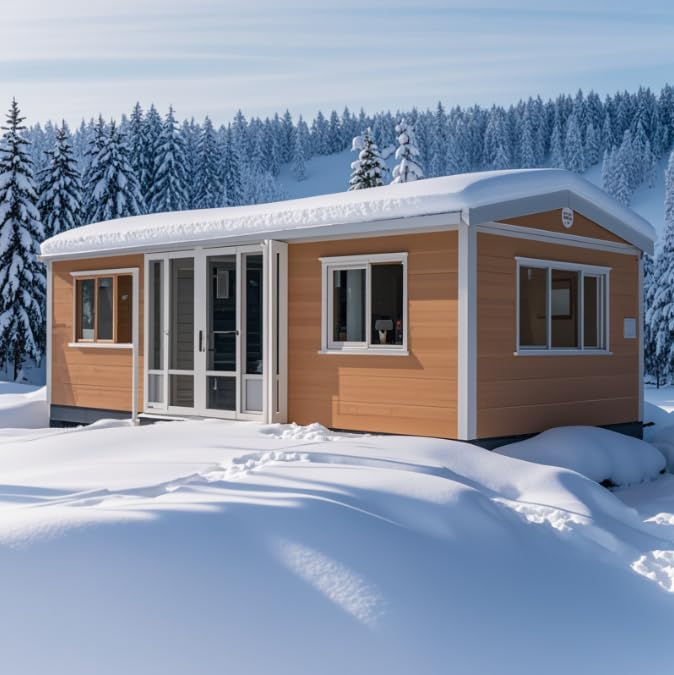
[567, 217]
[629, 328]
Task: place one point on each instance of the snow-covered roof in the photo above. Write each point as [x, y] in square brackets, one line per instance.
[473, 197]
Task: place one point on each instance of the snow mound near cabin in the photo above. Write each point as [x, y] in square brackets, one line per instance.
[23, 406]
[599, 454]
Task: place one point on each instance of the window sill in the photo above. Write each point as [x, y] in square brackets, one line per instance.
[563, 352]
[365, 352]
[100, 345]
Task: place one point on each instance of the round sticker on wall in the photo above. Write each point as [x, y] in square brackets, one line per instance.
[567, 217]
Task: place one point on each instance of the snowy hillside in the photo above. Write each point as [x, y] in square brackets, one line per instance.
[211, 547]
[331, 173]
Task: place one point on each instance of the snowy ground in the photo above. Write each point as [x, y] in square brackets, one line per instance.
[213, 547]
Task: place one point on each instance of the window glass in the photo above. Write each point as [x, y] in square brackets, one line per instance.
[182, 322]
[105, 309]
[157, 315]
[348, 305]
[254, 308]
[124, 309]
[564, 309]
[387, 304]
[591, 306]
[533, 301]
[86, 308]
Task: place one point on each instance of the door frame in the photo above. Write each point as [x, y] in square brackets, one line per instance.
[275, 332]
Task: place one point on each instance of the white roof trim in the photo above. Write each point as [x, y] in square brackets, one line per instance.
[475, 198]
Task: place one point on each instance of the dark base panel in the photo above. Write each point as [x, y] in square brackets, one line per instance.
[634, 429]
[73, 416]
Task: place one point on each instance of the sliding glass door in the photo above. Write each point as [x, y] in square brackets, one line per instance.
[206, 333]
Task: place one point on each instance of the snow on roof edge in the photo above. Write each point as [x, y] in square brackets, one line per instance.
[461, 193]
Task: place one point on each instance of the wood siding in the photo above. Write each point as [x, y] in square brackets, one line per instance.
[413, 394]
[551, 221]
[90, 377]
[527, 394]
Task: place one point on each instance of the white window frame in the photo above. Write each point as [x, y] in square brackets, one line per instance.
[354, 262]
[604, 276]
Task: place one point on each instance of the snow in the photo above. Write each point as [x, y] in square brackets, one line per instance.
[23, 406]
[458, 194]
[213, 546]
[599, 454]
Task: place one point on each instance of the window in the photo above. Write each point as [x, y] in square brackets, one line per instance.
[103, 308]
[365, 304]
[562, 307]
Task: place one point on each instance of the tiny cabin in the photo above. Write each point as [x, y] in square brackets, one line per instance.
[481, 307]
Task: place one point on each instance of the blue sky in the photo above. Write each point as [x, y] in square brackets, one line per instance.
[79, 58]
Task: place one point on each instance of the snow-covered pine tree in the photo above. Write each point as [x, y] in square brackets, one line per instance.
[334, 133]
[660, 312]
[574, 155]
[136, 140]
[190, 133]
[231, 171]
[592, 145]
[210, 189]
[60, 187]
[654, 364]
[368, 170]
[152, 130]
[115, 192]
[407, 155]
[22, 278]
[299, 168]
[438, 142]
[556, 146]
[168, 191]
[287, 137]
[527, 150]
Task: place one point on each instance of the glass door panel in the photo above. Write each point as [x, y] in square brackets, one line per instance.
[181, 332]
[254, 334]
[222, 332]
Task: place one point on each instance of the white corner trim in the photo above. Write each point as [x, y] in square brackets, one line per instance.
[467, 338]
[100, 345]
[48, 345]
[640, 328]
[560, 238]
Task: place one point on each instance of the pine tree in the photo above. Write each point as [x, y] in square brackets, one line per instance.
[231, 171]
[115, 192]
[136, 140]
[168, 191]
[660, 313]
[152, 130]
[190, 133]
[574, 155]
[60, 203]
[210, 190]
[527, 142]
[556, 147]
[654, 364]
[408, 168]
[298, 162]
[592, 144]
[22, 279]
[368, 170]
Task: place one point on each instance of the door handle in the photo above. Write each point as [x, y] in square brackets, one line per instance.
[201, 341]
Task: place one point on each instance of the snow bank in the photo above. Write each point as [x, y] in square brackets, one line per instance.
[23, 406]
[457, 194]
[278, 549]
[599, 454]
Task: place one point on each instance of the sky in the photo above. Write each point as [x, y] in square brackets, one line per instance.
[75, 58]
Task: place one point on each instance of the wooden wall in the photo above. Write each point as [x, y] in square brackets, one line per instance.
[526, 394]
[90, 377]
[551, 221]
[413, 394]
